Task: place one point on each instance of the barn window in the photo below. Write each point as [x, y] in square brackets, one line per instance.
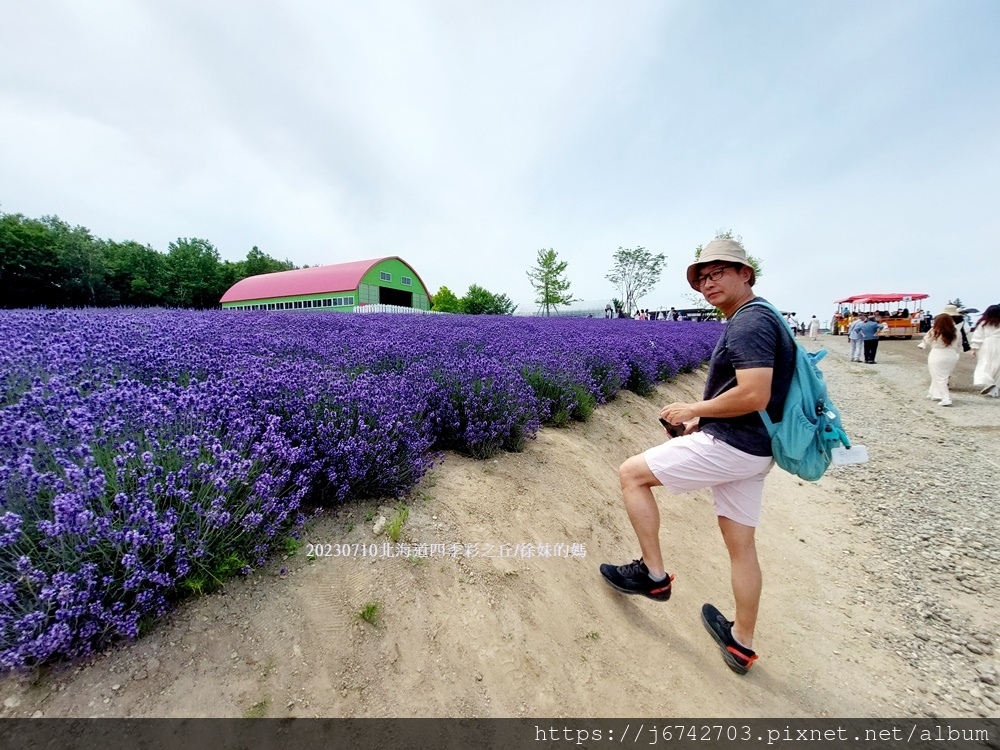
[385, 276]
[298, 305]
[406, 281]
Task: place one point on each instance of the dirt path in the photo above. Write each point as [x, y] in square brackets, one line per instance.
[543, 636]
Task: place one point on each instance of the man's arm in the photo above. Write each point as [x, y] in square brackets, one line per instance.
[751, 394]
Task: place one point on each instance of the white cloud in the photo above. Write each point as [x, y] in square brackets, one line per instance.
[849, 144]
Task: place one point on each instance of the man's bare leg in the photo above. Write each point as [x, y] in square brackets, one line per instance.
[746, 577]
[637, 483]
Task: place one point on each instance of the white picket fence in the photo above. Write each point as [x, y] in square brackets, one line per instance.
[394, 309]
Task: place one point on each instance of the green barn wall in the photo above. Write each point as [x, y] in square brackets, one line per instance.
[368, 289]
[300, 298]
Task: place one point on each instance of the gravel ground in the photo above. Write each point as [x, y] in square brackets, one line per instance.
[929, 497]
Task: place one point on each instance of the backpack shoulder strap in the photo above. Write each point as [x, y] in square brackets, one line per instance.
[764, 416]
[781, 321]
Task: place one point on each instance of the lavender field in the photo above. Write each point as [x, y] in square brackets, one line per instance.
[146, 456]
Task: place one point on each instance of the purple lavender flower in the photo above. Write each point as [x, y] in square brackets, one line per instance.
[146, 455]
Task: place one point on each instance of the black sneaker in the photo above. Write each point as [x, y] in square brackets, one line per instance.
[737, 657]
[633, 578]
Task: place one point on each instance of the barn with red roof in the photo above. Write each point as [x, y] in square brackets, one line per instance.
[341, 287]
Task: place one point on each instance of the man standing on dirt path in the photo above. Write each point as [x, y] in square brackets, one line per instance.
[856, 338]
[725, 446]
[869, 332]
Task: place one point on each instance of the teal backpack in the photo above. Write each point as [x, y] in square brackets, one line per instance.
[810, 428]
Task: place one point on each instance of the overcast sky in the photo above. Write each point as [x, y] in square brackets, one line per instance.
[853, 145]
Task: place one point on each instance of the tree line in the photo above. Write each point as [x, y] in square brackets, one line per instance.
[47, 263]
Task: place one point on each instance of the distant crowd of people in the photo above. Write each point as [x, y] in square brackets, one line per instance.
[946, 337]
[647, 314]
[812, 327]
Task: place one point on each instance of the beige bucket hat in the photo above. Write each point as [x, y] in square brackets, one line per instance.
[949, 310]
[718, 251]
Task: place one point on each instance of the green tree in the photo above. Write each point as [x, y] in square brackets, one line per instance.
[258, 262]
[551, 287]
[480, 301]
[634, 273]
[446, 301]
[30, 273]
[136, 274]
[81, 263]
[194, 272]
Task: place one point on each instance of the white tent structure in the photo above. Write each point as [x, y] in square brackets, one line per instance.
[578, 309]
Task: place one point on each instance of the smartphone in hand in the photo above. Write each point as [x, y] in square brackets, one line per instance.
[674, 430]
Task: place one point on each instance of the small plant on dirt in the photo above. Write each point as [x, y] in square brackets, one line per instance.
[395, 525]
[258, 710]
[593, 635]
[291, 545]
[268, 668]
[209, 578]
[350, 527]
[370, 515]
[370, 612]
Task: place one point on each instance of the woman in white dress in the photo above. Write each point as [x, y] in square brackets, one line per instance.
[985, 343]
[813, 327]
[945, 347]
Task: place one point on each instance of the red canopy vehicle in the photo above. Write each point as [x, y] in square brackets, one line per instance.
[897, 309]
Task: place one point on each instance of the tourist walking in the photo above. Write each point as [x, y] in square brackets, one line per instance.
[960, 324]
[793, 324]
[725, 446]
[985, 345]
[813, 327]
[945, 348]
[857, 338]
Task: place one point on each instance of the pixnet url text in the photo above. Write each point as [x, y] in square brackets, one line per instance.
[652, 734]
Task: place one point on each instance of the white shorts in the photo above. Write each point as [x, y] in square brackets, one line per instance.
[698, 460]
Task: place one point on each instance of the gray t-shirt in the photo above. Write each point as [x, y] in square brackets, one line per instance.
[754, 337]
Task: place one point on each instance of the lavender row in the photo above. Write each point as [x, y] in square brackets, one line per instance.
[147, 455]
